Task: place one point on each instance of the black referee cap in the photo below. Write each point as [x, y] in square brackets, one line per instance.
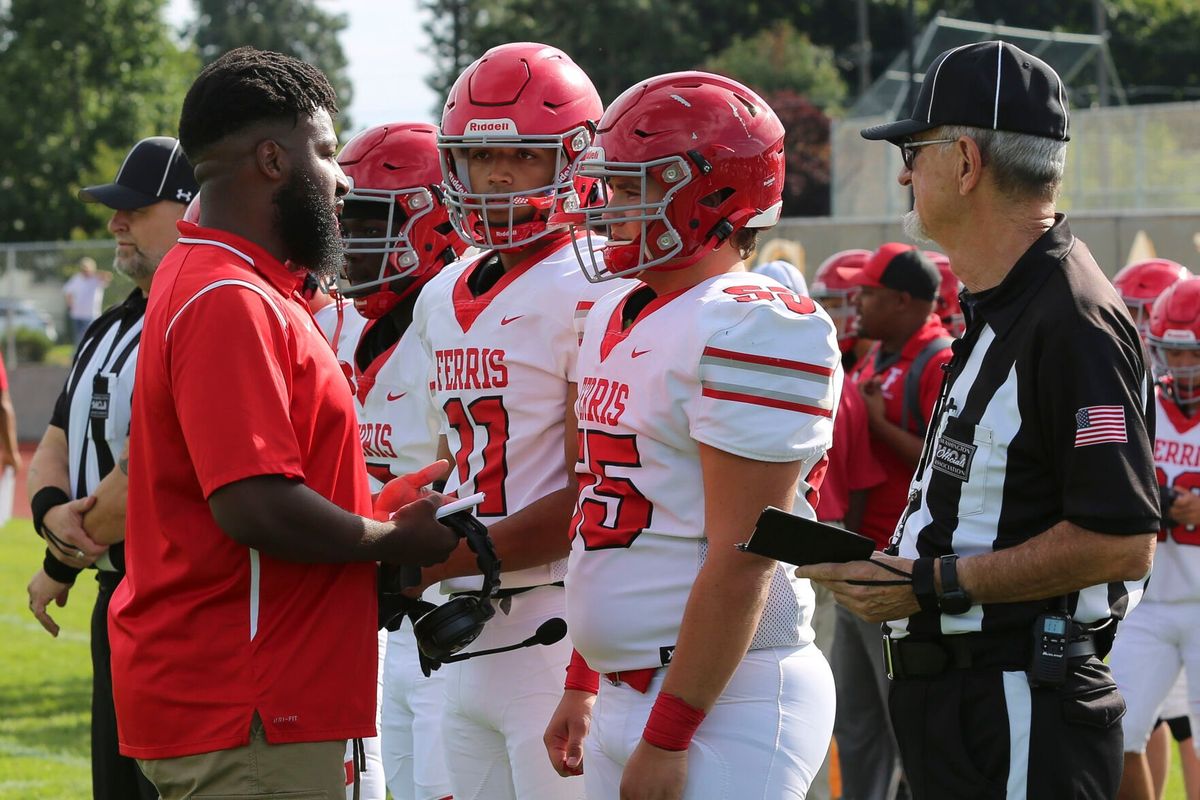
[991, 85]
[154, 170]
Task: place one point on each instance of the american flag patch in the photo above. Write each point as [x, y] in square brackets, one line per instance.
[1100, 424]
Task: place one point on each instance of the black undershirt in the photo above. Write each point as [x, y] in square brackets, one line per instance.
[383, 334]
[635, 304]
[486, 275]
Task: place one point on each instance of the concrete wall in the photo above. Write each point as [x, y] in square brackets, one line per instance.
[33, 389]
[1110, 235]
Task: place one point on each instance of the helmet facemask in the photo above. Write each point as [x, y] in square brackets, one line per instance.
[1184, 378]
[656, 242]
[469, 209]
[398, 212]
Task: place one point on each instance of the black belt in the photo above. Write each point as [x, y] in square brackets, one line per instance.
[505, 593]
[1010, 652]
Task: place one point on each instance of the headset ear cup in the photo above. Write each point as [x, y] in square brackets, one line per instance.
[451, 627]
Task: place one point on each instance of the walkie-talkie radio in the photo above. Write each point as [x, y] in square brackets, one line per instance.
[1051, 636]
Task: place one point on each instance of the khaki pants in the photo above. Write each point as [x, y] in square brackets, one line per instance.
[303, 771]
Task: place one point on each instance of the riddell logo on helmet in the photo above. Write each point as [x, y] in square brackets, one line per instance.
[491, 126]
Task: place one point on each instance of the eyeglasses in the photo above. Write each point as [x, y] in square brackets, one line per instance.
[908, 150]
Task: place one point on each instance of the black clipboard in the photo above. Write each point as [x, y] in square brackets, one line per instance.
[795, 540]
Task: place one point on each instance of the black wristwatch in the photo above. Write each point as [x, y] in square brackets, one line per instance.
[954, 599]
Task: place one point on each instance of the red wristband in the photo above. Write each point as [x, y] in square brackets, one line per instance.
[580, 676]
[672, 723]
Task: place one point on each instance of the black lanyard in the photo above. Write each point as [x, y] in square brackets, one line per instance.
[961, 350]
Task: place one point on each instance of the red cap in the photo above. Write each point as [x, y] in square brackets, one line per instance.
[897, 266]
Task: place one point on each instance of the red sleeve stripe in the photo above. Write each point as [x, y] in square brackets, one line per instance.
[770, 361]
[770, 402]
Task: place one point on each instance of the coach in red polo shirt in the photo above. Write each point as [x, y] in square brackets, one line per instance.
[899, 379]
[244, 637]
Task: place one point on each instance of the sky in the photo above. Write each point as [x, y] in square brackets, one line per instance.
[387, 51]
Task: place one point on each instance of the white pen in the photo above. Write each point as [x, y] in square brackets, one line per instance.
[459, 505]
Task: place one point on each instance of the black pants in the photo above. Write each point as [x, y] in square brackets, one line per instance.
[114, 777]
[984, 735]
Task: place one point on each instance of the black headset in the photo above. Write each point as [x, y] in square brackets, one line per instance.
[448, 628]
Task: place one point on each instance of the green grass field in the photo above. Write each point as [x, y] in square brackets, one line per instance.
[45, 684]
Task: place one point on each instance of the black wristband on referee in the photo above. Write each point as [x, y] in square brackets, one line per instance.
[58, 570]
[923, 585]
[42, 501]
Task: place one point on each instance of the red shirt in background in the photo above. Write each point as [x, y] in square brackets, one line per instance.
[852, 465]
[886, 501]
[234, 380]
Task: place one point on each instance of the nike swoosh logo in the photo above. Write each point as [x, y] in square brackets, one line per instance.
[391, 396]
[507, 320]
[637, 353]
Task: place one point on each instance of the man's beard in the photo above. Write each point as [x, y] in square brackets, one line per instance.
[137, 266]
[914, 228]
[308, 225]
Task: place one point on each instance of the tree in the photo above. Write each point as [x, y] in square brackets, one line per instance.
[83, 80]
[296, 27]
[778, 58]
[807, 150]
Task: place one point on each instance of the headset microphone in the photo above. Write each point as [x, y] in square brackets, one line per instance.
[549, 632]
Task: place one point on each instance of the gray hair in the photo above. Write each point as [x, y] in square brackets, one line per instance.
[1022, 165]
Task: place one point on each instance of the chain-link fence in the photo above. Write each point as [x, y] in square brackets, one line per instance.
[1119, 159]
[34, 323]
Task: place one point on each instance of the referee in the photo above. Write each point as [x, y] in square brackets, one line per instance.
[1031, 519]
[75, 481]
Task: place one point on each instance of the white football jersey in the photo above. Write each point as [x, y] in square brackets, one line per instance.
[501, 366]
[1176, 575]
[397, 422]
[340, 324]
[737, 362]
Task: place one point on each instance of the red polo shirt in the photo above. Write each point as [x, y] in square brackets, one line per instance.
[234, 380]
[886, 501]
[852, 464]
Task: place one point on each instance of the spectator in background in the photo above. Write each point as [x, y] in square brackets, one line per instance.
[78, 463]
[898, 380]
[837, 296]
[783, 260]
[85, 293]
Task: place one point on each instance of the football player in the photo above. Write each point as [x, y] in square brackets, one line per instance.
[1141, 283]
[1160, 639]
[706, 393]
[500, 331]
[398, 236]
[947, 307]
[837, 295]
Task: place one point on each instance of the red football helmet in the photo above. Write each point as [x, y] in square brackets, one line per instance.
[395, 177]
[947, 305]
[836, 294]
[715, 149]
[516, 95]
[1140, 284]
[1175, 326]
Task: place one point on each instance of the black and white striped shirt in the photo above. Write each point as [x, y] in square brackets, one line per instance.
[1047, 416]
[94, 406]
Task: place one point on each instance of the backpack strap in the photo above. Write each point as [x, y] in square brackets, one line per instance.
[910, 408]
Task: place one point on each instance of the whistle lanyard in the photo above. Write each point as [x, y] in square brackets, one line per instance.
[961, 349]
